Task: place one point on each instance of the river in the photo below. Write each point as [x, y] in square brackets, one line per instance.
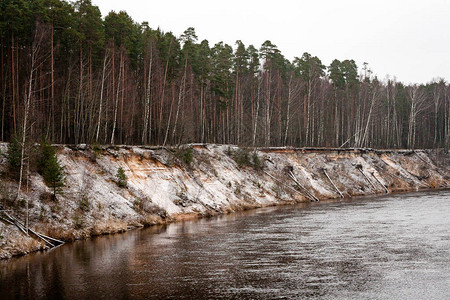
[390, 247]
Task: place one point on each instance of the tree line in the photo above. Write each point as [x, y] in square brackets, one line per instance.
[70, 76]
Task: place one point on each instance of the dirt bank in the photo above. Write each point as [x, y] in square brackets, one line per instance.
[165, 185]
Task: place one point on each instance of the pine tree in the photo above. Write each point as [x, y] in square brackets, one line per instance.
[50, 169]
[14, 156]
[121, 177]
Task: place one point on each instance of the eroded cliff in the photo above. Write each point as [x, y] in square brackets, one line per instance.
[164, 185]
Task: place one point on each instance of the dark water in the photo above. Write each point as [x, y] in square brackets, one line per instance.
[393, 247]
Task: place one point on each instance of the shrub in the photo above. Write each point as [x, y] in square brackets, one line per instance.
[138, 204]
[229, 152]
[121, 177]
[277, 190]
[145, 205]
[79, 221]
[47, 197]
[186, 155]
[84, 204]
[257, 164]
[96, 151]
[243, 159]
[237, 189]
[43, 214]
[96, 147]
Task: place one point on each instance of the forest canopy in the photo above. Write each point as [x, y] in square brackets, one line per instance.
[70, 76]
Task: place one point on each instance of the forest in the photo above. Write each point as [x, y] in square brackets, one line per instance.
[70, 76]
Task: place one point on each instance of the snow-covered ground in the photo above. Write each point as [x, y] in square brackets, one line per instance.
[161, 187]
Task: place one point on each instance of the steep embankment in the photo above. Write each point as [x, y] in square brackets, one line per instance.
[164, 185]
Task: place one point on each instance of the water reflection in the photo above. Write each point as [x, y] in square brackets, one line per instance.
[391, 247]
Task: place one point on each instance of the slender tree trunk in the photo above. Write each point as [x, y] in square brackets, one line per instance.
[336, 118]
[437, 101]
[101, 97]
[255, 126]
[267, 111]
[446, 119]
[236, 109]
[161, 106]
[308, 112]
[202, 111]
[122, 126]
[363, 141]
[52, 83]
[34, 53]
[3, 83]
[147, 108]
[180, 99]
[13, 82]
[79, 103]
[65, 99]
[116, 106]
[411, 127]
[288, 110]
[170, 116]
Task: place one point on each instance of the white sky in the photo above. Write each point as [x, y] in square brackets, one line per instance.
[406, 39]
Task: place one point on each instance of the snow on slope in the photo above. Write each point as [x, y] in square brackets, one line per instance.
[162, 188]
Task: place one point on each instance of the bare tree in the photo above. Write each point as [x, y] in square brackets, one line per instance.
[39, 33]
[102, 88]
[416, 98]
[147, 107]
[116, 106]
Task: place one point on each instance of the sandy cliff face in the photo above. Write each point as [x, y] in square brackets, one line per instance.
[163, 185]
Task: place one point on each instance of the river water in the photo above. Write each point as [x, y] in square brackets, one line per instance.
[392, 247]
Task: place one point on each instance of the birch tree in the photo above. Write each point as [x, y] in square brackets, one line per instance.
[416, 98]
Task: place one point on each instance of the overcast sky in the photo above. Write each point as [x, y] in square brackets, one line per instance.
[406, 39]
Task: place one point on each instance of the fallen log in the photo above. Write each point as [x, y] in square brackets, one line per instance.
[367, 178]
[48, 240]
[384, 187]
[311, 196]
[282, 183]
[335, 187]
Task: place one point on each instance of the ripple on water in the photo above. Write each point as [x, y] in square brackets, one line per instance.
[392, 247]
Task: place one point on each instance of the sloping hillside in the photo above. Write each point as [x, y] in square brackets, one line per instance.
[165, 185]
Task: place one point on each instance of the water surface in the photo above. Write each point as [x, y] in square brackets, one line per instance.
[392, 247]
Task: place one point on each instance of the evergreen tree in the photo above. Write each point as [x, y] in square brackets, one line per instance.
[14, 156]
[112, 79]
[49, 168]
[223, 64]
[309, 67]
[336, 74]
[121, 177]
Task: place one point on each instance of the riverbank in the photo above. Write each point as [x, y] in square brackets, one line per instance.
[169, 184]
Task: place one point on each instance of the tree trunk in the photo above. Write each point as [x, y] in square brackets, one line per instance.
[288, 110]
[255, 126]
[99, 117]
[52, 84]
[38, 35]
[116, 106]
[180, 99]
[363, 140]
[147, 109]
